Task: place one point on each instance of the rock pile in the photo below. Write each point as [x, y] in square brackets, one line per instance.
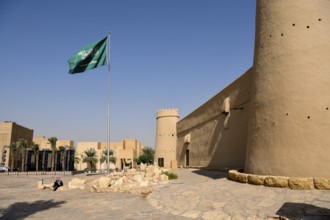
[133, 181]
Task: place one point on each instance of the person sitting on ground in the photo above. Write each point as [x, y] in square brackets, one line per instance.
[58, 182]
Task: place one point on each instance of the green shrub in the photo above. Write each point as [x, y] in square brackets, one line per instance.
[171, 176]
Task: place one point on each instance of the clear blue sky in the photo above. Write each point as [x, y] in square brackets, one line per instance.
[164, 54]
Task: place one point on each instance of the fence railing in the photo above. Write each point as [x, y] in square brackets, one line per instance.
[39, 173]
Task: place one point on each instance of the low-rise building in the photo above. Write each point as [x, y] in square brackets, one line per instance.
[63, 160]
[125, 151]
[10, 132]
[43, 142]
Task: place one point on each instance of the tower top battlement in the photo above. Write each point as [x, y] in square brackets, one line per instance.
[168, 112]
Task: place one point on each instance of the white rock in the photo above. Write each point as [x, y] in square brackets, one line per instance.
[131, 170]
[119, 182]
[144, 183]
[138, 177]
[104, 182]
[149, 174]
[77, 183]
[163, 178]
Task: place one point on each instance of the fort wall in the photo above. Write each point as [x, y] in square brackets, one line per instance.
[215, 134]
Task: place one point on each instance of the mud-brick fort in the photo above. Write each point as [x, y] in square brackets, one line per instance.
[275, 118]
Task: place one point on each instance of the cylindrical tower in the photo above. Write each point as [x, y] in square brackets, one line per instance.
[289, 122]
[165, 150]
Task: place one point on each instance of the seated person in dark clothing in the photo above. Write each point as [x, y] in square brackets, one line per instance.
[58, 182]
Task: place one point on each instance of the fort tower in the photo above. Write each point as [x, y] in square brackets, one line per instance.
[166, 137]
[289, 122]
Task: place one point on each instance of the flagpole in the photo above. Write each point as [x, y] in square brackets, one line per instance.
[108, 130]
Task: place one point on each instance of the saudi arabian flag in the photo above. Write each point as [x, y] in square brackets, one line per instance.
[91, 56]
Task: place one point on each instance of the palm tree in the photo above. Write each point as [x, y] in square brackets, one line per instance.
[35, 149]
[22, 146]
[13, 154]
[76, 161]
[52, 141]
[147, 155]
[5, 151]
[90, 158]
[104, 156]
[62, 151]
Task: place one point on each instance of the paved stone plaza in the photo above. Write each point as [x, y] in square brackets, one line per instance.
[197, 194]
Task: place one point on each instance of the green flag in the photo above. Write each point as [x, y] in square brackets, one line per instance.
[91, 56]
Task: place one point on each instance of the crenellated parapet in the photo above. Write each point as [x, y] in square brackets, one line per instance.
[168, 112]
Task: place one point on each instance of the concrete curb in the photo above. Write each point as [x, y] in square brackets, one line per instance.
[297, 183]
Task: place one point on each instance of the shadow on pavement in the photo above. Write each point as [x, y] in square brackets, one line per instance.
[303, 211]
[211, 174]
[21, 210]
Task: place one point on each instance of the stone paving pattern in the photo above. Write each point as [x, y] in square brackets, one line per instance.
[196, 194]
